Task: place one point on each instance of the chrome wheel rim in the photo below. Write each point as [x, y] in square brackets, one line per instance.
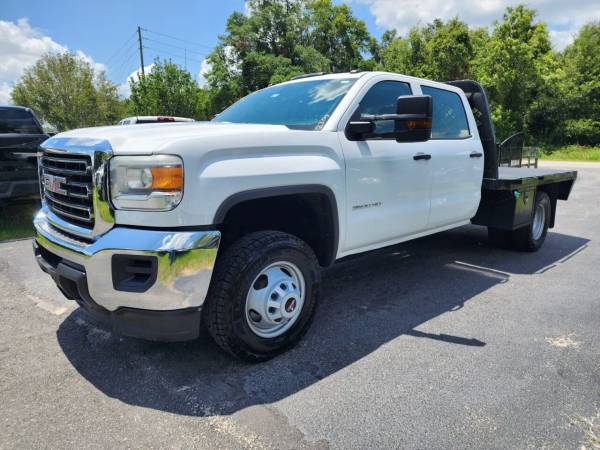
[538, 222]
[275, 299]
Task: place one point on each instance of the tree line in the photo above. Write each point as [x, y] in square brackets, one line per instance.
[554, 96]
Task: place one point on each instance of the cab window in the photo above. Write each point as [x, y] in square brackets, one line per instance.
[381, 99]
[449, 119]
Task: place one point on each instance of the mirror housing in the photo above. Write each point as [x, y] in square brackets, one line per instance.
[414, 115]
[357, 128]
[412, 121]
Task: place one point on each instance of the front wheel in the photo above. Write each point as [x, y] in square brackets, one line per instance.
[263, 295]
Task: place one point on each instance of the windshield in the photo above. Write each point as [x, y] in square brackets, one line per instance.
[304, 105]
[16, 120]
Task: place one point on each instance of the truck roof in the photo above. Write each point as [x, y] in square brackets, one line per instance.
[372, 74]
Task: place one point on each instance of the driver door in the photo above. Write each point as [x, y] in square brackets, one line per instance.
[388, 190]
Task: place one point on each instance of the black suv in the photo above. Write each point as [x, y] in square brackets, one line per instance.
[20, 136]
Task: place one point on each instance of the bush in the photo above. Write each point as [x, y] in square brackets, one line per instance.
[583, 131]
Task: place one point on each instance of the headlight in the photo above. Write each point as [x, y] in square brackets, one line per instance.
[146, 182]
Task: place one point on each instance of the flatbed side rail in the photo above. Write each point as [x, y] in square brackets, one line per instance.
[512, 153]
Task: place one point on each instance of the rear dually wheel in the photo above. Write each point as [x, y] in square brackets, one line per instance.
[531, 237]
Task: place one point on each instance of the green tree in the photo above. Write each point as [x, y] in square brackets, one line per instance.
[581, 83]
[450, 50]
[259, 46]
[166, 90]
[280, 39]
[225, 83]
[513, 66]
[66, 92]
[337, 34]
[439, 51]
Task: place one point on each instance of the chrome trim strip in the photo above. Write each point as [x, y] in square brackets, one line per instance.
[77, 195]
[100, 152]
[64, 171]
[64, 225]
[65, 160]
[71, 205]
[185, 263]
[70, 215]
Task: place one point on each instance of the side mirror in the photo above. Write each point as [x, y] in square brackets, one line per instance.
[356, 129]
[412, 121]
[413, 118]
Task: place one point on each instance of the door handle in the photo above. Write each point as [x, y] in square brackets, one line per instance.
[476, 155]
[419, 156]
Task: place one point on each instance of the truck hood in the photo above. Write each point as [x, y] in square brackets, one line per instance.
[154, 138]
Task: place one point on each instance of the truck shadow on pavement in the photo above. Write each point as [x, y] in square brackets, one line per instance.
[367, 301]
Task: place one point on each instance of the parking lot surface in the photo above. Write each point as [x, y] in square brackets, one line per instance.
[444, 342]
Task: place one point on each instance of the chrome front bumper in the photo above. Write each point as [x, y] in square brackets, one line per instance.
[185, 261]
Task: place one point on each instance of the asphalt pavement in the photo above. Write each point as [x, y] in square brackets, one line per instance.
[444, 342]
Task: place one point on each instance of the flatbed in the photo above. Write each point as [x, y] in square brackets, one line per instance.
[507, 200]
[515, 178]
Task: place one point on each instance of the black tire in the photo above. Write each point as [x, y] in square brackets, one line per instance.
[224, 310]
[523, 239]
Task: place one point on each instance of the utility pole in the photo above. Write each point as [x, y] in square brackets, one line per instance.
[139, 30]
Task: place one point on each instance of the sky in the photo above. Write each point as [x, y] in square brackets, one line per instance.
[104, 32]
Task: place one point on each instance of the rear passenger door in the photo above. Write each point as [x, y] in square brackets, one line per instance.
[456, 160]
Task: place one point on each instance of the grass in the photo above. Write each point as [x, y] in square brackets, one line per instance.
[571, 153]
[16, 219]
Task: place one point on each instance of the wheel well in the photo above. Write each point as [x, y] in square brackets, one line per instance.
[310, 214]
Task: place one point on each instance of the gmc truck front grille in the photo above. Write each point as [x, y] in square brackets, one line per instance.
[66, 180]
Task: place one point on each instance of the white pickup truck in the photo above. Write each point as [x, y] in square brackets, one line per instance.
[160, 229]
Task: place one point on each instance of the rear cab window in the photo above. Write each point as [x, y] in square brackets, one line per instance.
[449, 119]
[19, 121]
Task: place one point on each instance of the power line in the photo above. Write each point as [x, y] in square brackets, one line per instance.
[126, 56]
[125, 64]
[127, 67]
[175, 46]
[176, 55]
[179, 39]
[128, 70]
[126, 52]
[122, 58]
[121, 48]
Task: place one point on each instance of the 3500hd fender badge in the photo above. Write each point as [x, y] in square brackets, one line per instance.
[367, 205]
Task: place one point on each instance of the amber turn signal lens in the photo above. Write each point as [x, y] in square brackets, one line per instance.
[418, 124]
[167, 178]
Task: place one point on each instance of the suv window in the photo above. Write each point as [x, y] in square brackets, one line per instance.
[381, 99]
[17, 120]
[449, 116]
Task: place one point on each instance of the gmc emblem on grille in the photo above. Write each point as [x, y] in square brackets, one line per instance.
[52, 183]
